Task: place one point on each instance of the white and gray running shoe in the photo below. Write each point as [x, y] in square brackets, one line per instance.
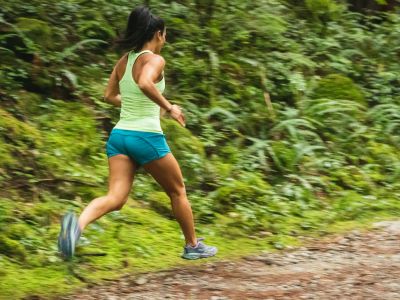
[69, 235]
[201, 250]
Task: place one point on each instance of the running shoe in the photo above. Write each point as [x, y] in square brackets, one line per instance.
[201, 250]
[69, 235]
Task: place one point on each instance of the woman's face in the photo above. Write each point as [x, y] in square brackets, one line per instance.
[162, 38]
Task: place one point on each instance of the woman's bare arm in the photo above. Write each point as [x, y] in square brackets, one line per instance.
[111, 94]
[151, 71]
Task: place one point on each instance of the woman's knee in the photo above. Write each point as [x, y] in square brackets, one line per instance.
[177, 192]
[116, 202]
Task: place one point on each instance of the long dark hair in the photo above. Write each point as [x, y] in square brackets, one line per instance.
[142, 25]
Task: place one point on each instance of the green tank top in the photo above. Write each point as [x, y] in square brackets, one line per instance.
[138, 112]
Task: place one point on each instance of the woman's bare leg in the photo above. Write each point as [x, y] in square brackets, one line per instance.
[167, 173]
[122, 172]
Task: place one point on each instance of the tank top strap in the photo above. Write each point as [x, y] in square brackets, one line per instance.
[136, 55]
[132, 56]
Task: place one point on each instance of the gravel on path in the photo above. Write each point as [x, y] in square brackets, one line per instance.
[356, 265]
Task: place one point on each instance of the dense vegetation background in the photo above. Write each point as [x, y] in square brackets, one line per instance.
[293, 125]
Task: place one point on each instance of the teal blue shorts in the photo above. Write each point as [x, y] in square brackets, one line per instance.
[140, 146]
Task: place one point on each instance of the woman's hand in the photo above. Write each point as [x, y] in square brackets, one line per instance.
[177, 114]
[114, 100]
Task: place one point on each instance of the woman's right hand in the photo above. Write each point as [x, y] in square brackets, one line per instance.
[177, 114]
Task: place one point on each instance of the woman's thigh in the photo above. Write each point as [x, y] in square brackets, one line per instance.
[167, 173]
[122, 173]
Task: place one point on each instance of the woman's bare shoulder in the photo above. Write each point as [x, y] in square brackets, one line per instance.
[155, 59]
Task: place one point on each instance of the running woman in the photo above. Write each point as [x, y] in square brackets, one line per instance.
[136, 85]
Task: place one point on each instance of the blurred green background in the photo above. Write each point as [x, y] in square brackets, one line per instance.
[293, 128]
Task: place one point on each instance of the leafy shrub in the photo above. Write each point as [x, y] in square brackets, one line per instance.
[335, 86]
[324, 10]
[245, 188]
[39, 32]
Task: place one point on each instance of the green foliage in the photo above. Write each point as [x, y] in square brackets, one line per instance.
[92, 24]
[244, 188]
[386, 117]
[352, 205]
[17, 139]
[338, 87]
[69, 123]
[12, 248]
[20, 131]
[160, 202]
[324, 10]
[39, 32]
[385, 159]
[292, 112]
[188, 150]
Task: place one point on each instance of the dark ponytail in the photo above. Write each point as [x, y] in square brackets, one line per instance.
[142, 25]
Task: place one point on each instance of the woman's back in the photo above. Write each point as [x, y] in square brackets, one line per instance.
[138, 112]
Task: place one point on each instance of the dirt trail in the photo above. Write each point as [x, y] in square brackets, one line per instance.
[357, 265]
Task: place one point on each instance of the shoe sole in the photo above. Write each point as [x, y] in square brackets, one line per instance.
[65, 242]
[71, 237]
[198, 256]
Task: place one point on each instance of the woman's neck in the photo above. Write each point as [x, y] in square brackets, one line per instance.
[151, 47]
